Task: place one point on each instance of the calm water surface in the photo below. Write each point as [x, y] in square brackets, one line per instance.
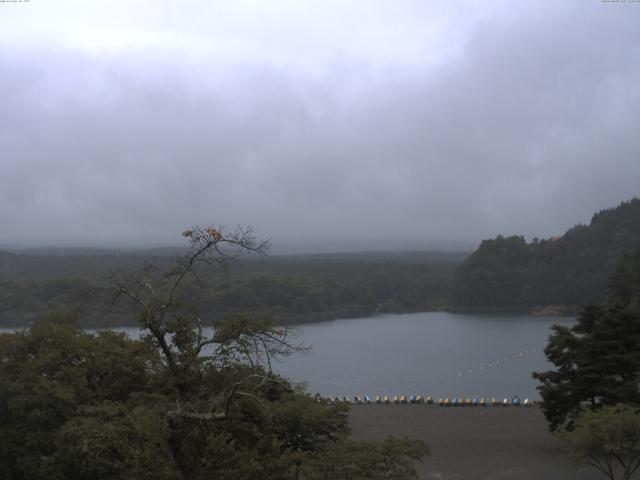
[434, 353]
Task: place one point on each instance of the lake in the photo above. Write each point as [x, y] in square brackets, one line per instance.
[433, 353]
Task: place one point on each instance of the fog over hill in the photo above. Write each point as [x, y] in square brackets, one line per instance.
[327, 125]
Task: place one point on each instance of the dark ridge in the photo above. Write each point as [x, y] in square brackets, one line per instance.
[566, 271]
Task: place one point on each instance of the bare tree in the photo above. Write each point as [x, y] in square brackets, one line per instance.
[174, 324]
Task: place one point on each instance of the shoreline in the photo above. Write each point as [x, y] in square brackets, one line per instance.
[121, 320]
[489, 443]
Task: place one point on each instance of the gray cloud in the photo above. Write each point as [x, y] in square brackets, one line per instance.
[422, 127]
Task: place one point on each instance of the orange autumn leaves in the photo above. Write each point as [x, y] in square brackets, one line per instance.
[213, 233]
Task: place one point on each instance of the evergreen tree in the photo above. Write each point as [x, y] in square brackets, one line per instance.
[598, 359]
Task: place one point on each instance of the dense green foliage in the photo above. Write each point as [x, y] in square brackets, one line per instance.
[572, 270]
[336, 290]
[76, 405]
[598, 359]
[176, 404]
[608, 439]
[295, 288]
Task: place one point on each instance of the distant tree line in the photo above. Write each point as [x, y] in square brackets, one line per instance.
[503, 273]
[300, 288]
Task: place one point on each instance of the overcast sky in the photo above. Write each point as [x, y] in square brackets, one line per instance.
[328, 124]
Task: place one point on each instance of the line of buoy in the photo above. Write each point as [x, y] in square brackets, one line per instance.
[497, 362]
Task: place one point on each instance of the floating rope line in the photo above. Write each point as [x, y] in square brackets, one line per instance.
[513, 356]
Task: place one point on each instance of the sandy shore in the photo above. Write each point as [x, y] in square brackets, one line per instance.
[473, 442]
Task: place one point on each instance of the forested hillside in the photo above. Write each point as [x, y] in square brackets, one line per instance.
[504, 273]
[296, 288]
[572, 270]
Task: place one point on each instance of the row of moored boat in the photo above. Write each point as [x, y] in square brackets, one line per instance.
[444, 402]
